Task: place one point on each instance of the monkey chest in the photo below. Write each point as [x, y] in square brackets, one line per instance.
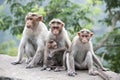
[32, 41]
[81, 52]
[83, 48]
[61, 43]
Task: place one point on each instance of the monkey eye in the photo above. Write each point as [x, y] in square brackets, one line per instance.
[53, 22]
[34, 15]
[55, 27]
[86, 35]
[58, 22]
[51, 41]
[82, 35]
[29, 19]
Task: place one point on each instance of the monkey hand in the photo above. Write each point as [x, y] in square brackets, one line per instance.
[15, 63]
[49, 58]
[51, 54]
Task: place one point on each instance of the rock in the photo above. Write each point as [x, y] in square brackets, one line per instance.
[19, 72]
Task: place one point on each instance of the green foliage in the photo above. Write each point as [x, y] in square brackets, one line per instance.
[16, 21]
[113, 51]
[111, 4]
[8, 48]
[73, 15]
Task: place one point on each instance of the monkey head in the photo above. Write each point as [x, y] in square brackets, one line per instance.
[85, 35]
[56, 26]
[32, 20]
[52, 44]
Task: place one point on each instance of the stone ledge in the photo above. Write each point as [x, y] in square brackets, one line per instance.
[18, 72]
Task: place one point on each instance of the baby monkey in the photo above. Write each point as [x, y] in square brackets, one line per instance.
[53, 52]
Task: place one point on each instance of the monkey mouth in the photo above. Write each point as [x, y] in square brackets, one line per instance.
[28, 26]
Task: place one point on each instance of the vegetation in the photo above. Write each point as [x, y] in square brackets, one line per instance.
[76, 16]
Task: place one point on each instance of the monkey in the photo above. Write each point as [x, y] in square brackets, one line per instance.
[33, 40]
[59, 34]
[53, 62]
[81, 54]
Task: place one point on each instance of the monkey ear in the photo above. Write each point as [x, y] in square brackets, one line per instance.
[25, 18]
[63, 24]
[78, 33]
[48, 46]
[91, 34]
[40, 18]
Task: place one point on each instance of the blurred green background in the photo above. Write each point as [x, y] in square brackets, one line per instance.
[100, 16]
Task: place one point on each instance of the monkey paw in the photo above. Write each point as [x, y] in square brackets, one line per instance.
[28, 60]
[15, 63]
[72, 74]
[49, 58]
[29, 66]
[105, 69]
[43, 68]
[48, 69]
[57, 69]
[92, 72]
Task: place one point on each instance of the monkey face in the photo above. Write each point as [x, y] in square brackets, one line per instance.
[56, 26]
[85, 35]
[32, 20]
[52, 44]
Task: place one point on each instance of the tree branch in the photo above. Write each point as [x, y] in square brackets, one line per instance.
[112, 45]
[114, 21]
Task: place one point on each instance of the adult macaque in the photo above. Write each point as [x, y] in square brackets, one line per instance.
[33, 40]
[59, 34]
[81, 54]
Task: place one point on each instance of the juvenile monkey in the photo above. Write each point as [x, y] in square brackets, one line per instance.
[59, 34]
[82, 56]
[33, 40]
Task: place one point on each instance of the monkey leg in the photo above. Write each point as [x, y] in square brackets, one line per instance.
[89, 63]
[30, 51]
[102, 74]
[70, 64]
[36, 59]
[98, 62]
[63, 67]
[21, 51]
